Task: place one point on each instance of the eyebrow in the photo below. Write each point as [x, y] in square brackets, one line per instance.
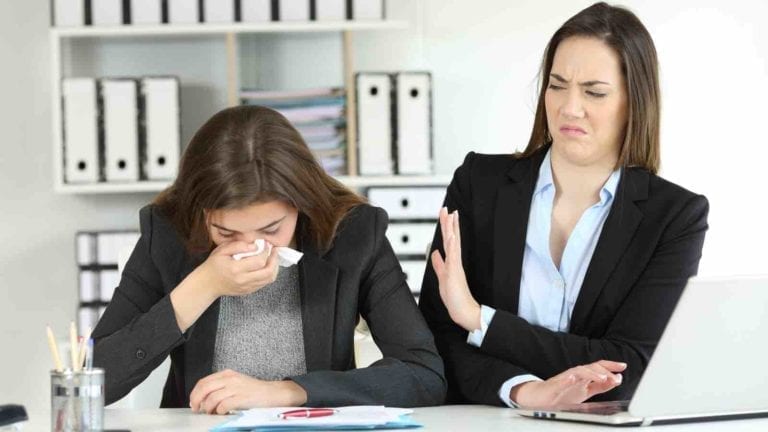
[259, 229]
[585, 83]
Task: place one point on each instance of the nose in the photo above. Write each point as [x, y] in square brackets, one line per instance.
[573, 106]
[249, 237]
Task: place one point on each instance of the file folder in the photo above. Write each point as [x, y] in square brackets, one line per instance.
[108, 281]
[69, 13]
[367, 9]
[330, 10]
[162, 130]
[294, 10]
[256, 10]
[89, 286]
[183, 11]
[81, 142]
[87, 317]
[146, 12]
[121, 129]
[219, 11]
[413, 123]
[107, 12]
[109, 245]
[85, 248]
[374, 111]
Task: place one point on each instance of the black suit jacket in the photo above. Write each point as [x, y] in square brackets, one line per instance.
[649, 246]
[360, 275]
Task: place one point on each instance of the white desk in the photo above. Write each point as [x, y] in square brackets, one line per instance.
[445, 418]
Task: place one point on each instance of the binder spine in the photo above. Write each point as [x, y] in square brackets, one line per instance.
[101, 134]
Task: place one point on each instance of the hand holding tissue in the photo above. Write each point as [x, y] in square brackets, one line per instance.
[286, 256]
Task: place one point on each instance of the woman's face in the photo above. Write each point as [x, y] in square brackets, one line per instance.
[273, 221]
[586, 102]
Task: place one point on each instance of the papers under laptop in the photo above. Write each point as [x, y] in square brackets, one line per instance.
[710, 363]
[343, 418]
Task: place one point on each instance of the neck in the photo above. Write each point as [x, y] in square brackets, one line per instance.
[577, 182]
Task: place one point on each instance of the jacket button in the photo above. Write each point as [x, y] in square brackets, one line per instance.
[140, 354]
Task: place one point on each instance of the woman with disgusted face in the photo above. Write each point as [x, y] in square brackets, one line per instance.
[554, 271]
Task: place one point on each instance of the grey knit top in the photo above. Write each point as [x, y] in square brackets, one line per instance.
[261, 334]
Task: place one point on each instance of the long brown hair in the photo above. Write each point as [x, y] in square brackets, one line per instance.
[250, 154]
[621, 30]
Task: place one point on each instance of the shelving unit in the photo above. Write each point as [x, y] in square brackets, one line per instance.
[354, 182]
[60, 36]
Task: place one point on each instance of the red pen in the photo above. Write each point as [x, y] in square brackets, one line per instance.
[307, 413]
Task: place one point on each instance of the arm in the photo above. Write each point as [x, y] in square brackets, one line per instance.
[411, 372]
[637, 326]
[139, 328]
[473, 375]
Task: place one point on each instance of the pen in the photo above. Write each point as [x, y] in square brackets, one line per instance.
[307, 413]
[83, 345]
[54, 350]
[73, 345]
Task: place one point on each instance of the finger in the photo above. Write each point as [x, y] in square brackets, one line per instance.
[444, 224]
[588, 374]
[612, 366]
[595, 388]
[457, 230]
[438, 264]
[600, 369]
[204, 386]
[234, 247]
[227, 405]
[212, 401]
[201, 391]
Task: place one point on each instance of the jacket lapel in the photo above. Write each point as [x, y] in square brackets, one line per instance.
[618, 230]
[318, 303]
[513, 204]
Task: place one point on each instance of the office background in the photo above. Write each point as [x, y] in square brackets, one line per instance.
[484, 56]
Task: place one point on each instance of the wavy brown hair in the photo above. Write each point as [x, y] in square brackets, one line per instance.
[621, 30]
[246, 155]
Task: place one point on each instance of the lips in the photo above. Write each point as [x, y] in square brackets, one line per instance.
[572, 130]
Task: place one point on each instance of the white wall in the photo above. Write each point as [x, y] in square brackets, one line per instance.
[484, 57]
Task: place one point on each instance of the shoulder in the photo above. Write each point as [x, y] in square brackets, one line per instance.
[479, 166]
[359, 233]
[670, 200]
[158, 232]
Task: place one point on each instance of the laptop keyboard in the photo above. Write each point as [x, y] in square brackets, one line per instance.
[599, 408]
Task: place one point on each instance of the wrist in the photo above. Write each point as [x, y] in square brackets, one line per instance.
[206, 283]
[472, 320]
[517, 393]
[292, 393]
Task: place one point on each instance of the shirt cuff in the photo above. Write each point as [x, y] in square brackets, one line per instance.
[507, 387]
[475, 337]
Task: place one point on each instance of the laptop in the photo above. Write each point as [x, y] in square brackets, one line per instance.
[710, 364]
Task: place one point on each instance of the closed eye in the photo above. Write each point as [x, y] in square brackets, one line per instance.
[596, 94]
[555, 87]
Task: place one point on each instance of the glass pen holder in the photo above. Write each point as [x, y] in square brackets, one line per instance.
[77, 400]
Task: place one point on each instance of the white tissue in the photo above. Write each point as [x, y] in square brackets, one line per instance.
[286, 256]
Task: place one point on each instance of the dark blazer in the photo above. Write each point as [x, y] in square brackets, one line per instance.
[649, 246]
[359, 275]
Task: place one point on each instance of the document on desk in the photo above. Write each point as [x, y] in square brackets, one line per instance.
[344, 418]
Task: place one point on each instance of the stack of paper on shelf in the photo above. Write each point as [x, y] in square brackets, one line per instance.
[318, 115]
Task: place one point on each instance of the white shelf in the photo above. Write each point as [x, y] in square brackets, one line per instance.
[404, 180]
[157, 186]
[221, 29]
[110, 188]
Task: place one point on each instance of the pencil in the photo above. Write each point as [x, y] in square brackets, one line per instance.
[73, 345]
[54, 349]
[83, 344]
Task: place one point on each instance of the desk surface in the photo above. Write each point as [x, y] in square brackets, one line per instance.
[445, 418]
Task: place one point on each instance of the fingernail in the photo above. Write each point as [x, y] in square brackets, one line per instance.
[619, 378]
